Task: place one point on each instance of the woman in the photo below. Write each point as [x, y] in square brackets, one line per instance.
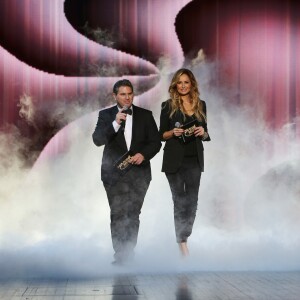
[183, 126]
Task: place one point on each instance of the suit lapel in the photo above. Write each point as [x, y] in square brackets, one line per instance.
[113, 111]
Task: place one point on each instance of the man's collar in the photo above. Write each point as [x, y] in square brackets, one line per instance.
[130, 108]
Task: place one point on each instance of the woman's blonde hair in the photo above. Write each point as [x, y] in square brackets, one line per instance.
[176, 101]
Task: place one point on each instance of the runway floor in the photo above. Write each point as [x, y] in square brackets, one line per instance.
[183, 286]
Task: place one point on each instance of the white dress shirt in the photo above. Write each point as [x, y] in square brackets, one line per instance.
[127, 129]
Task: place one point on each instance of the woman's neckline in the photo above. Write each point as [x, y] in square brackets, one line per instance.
[189, 115]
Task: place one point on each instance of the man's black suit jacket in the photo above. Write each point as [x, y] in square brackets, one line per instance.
[145, 140]
[174, 149]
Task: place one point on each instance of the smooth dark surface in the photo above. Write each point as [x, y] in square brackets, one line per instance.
[183, 286]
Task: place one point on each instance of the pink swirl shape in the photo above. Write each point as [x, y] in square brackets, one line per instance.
[162, 40]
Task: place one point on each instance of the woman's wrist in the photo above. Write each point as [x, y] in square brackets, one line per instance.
[168, 134]
[204, 136]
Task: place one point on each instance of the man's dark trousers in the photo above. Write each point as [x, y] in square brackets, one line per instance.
[126, 199]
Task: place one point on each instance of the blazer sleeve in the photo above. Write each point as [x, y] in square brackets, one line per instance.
[164, 119]
[104, 130]
[206, 137]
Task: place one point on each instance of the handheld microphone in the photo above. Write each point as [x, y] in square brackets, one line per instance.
[177, 125]
[126, 110]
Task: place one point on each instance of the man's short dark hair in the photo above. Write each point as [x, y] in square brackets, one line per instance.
[123, 82]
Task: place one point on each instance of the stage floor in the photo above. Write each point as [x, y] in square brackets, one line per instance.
[183, 286]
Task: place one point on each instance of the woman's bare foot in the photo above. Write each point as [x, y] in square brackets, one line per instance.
[184, 249]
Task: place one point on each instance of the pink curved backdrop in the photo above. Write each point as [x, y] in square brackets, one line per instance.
[254, 46]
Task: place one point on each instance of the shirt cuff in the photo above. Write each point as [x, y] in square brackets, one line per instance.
[116, 125]
[204, 136]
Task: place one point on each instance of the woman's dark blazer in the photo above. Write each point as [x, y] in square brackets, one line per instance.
[174, 149]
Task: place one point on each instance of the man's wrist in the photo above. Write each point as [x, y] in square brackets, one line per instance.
[116, 125]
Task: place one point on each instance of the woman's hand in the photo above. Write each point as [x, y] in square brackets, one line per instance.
[177, 131]
[199, 131]
[173, 132]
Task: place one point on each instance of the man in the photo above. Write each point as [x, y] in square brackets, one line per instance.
[130, 133]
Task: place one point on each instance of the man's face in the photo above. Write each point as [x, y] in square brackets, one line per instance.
[124, 97]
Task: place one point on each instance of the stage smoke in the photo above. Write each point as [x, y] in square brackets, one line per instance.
[54, 218]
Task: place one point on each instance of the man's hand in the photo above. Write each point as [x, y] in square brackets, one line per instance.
[120, 116]
[137, 159]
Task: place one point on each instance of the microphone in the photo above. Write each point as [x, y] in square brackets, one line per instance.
[177, 125]
[126, 110]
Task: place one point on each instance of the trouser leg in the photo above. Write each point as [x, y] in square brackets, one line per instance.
[133, 210]
[125, 201]
[184, 186]
[192, 184]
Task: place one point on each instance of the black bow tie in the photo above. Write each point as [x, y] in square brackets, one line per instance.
[127, 111]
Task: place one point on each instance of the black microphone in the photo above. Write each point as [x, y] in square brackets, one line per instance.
[126, 110]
